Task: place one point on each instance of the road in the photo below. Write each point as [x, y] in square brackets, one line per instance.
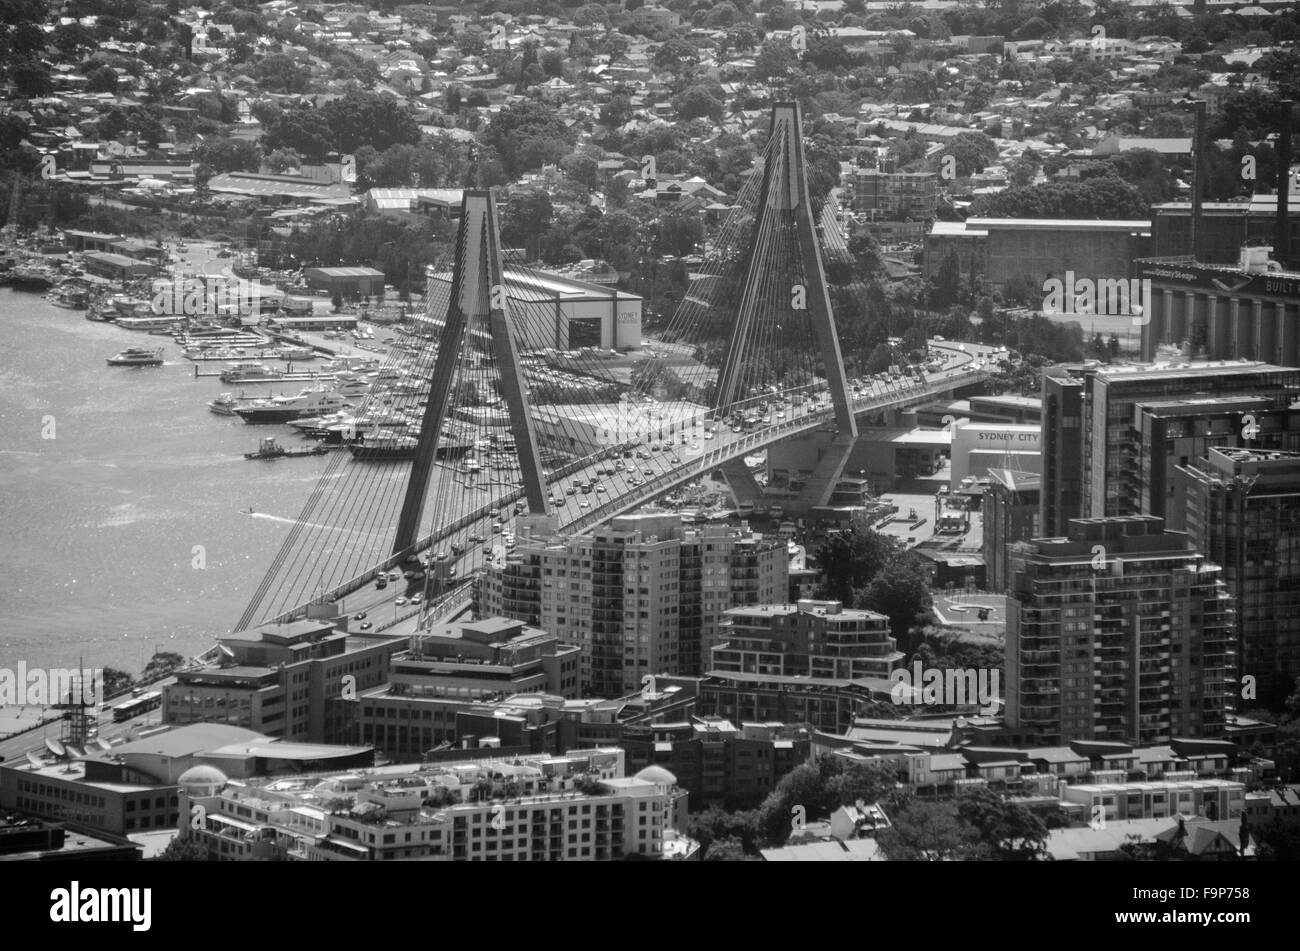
[15, 747]
[651, 471]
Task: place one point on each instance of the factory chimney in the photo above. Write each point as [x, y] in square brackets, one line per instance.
[1282, 230]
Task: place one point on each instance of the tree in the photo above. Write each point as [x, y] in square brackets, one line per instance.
[881, 358]
[698, 102]
[1103, 196]
[850, 560]
[590, 14]
[304, 130]
[31, 78]
[115, 681]
[527, 135]
[552, 63]
[280, 72]
[803, 788]
[972, 152]
[161, 664]
[924, 832]
[869, 783]
[902, 592]
[1147, 171]
[716, 824]
[1007, 830]
[678, 235]
[727, 850]
[229, 155]
[183, 850]
[282, 160]
[1279, 841]
[676, 55]
[868, 259]
[775, 59]
[365, 118]
[616, 112]
[103, 79]
[582, 169]
[526, 216]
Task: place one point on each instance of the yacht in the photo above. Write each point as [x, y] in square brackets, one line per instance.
[281, 409]
[296, 353]
[239, 372]
[227, 403]
[157, 322]
[136, 357]
[359, 427]
[351, 387]
[318, 427]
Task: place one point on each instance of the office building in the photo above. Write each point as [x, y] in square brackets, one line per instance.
[1011, 514]
[133, 787]
[978, 447]
[459, 668]
[1241, 508]
[1249, 311]
[24, 838]
[1113, 434]
[291, 680]
[1061, 489]
[576, 807]
[813, 662]
[642, 595]
[1119, 631]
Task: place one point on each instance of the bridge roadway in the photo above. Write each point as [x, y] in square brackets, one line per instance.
[577, 512]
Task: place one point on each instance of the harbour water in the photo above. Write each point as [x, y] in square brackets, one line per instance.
[100, 525]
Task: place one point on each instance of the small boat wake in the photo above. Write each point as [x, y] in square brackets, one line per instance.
[293, 521]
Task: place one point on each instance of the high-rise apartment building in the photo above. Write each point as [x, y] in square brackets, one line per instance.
[1120, 631]
[643, 595]
[1118, 432]
[799, 663]
[1241, 508]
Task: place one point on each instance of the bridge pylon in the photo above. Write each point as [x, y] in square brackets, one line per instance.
[785, 204]
[478, 315]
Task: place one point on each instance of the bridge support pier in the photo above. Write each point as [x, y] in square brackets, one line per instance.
[819, 488]
[740, 480]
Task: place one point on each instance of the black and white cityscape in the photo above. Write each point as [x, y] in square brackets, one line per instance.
[783, 431]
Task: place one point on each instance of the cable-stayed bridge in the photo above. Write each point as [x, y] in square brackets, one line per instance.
[494, 420]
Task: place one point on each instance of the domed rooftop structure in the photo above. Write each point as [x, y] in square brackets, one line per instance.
[202, 779]
[657, 775]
